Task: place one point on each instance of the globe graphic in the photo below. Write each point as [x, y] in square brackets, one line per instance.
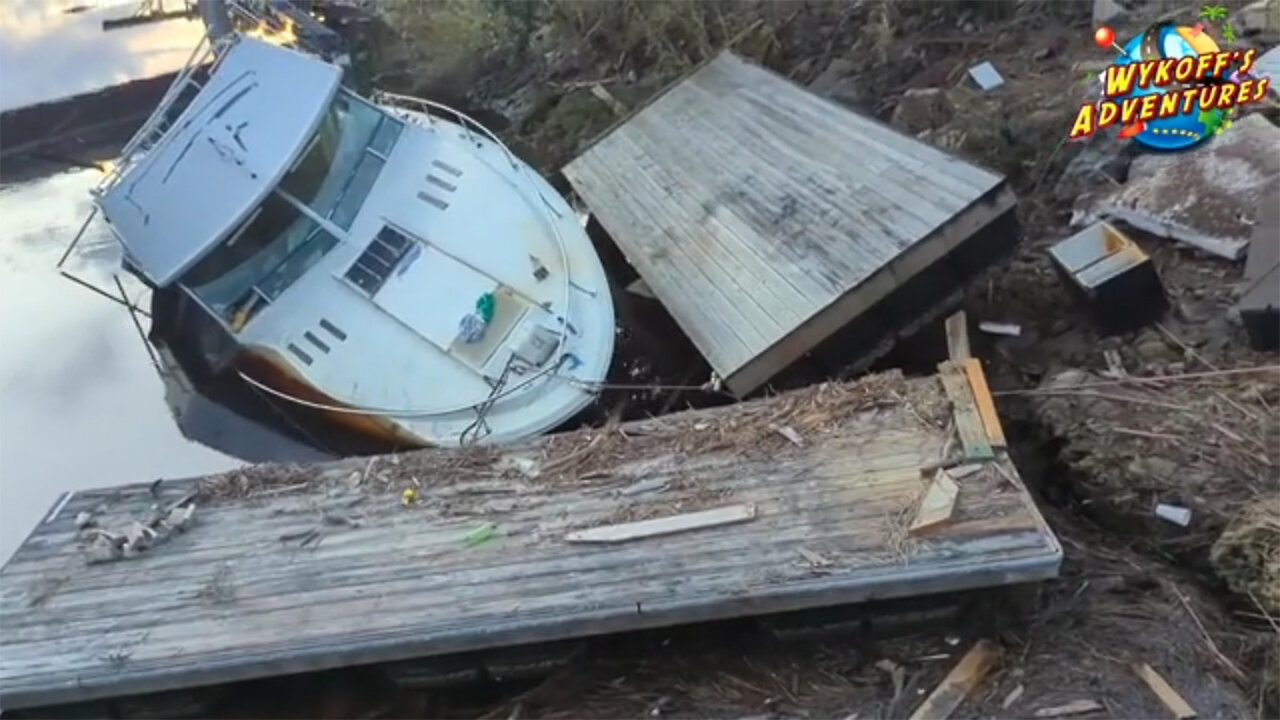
[1160, 42]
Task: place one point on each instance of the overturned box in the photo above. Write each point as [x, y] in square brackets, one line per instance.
[1113, 275]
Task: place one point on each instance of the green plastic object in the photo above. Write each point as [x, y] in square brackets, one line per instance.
[481, 534]
[485, 306]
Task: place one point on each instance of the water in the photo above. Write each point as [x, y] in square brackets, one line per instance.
[80, 404]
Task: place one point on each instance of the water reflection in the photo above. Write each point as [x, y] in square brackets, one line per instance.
[64, 54]
[80, 403]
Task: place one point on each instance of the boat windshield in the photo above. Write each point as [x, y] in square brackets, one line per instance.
[343, 159]
[279, 242]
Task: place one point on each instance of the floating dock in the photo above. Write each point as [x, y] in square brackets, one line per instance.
[768, 220]
[881, 488]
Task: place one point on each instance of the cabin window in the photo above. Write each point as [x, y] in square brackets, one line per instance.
[259, 261]
[337, 170]
[381, 258]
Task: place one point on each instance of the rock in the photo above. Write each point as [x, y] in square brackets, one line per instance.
[922, 109]
[1100, 157]
[1155, 350]
[1196, 311]
[848, 92]
[1206, 198]
[1105, 11]
[839, 69]
[1259, 18]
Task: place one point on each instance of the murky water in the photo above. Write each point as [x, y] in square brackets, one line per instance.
[80, 404]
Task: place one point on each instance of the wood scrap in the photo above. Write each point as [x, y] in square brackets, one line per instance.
[1075, 707]
[608, 99]
[1013, 696]
[1165, 692]
[728, 515]
[957, 327]
[938, 503]
[985, 404]
[815, 560]
[956, 686]
[640, 288]
[973, 435]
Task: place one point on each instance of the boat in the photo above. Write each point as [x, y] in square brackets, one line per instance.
[383, 267]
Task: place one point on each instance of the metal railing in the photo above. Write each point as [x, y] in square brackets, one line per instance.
[426, 108]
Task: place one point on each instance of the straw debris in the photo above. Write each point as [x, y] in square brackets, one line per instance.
[1247, 554]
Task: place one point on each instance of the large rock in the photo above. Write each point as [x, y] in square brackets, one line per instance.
[1105, 11]
[1206, 197]
[1260, 19]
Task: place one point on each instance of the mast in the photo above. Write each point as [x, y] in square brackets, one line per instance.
[216, 18]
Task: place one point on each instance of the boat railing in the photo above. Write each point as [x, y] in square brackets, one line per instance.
[172, 104]
[162, 118]
[428, 109]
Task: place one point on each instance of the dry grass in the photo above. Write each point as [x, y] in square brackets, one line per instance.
[1247, 554]
[1205, 441]
[592, 456]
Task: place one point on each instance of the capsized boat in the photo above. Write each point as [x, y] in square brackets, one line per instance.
[385, 264]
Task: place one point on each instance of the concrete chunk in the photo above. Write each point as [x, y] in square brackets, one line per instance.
[1206, 197]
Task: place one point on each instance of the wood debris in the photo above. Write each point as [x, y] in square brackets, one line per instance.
[1165, 692]
[729, 515]
[995, 328]
[956, 686]
[789, 433]
[985, 404]
[958, 337]
[938, 503]
[973, 434]
[815, 560]
[1075, 707]
[1013, 696]
[606, 97]
[109, 546]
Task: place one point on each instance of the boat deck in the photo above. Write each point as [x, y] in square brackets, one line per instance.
[283, 569]
[766, 219]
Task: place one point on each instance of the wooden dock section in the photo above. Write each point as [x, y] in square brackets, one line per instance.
[767, 219]
[816, 498]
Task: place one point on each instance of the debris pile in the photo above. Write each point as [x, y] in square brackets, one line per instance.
[134, 537]
[1247, 554]
[1206, 197]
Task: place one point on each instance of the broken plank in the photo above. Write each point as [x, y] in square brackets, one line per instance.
[957, 327]
[958, 683]
[1075, 707]
[938, 503]
[986, 405]
[1165, 692]
[607, 98]
[641, 289]
[973, 435]
[665, 525]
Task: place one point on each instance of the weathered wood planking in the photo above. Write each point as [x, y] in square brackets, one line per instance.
[765, 218]
[229, 600]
